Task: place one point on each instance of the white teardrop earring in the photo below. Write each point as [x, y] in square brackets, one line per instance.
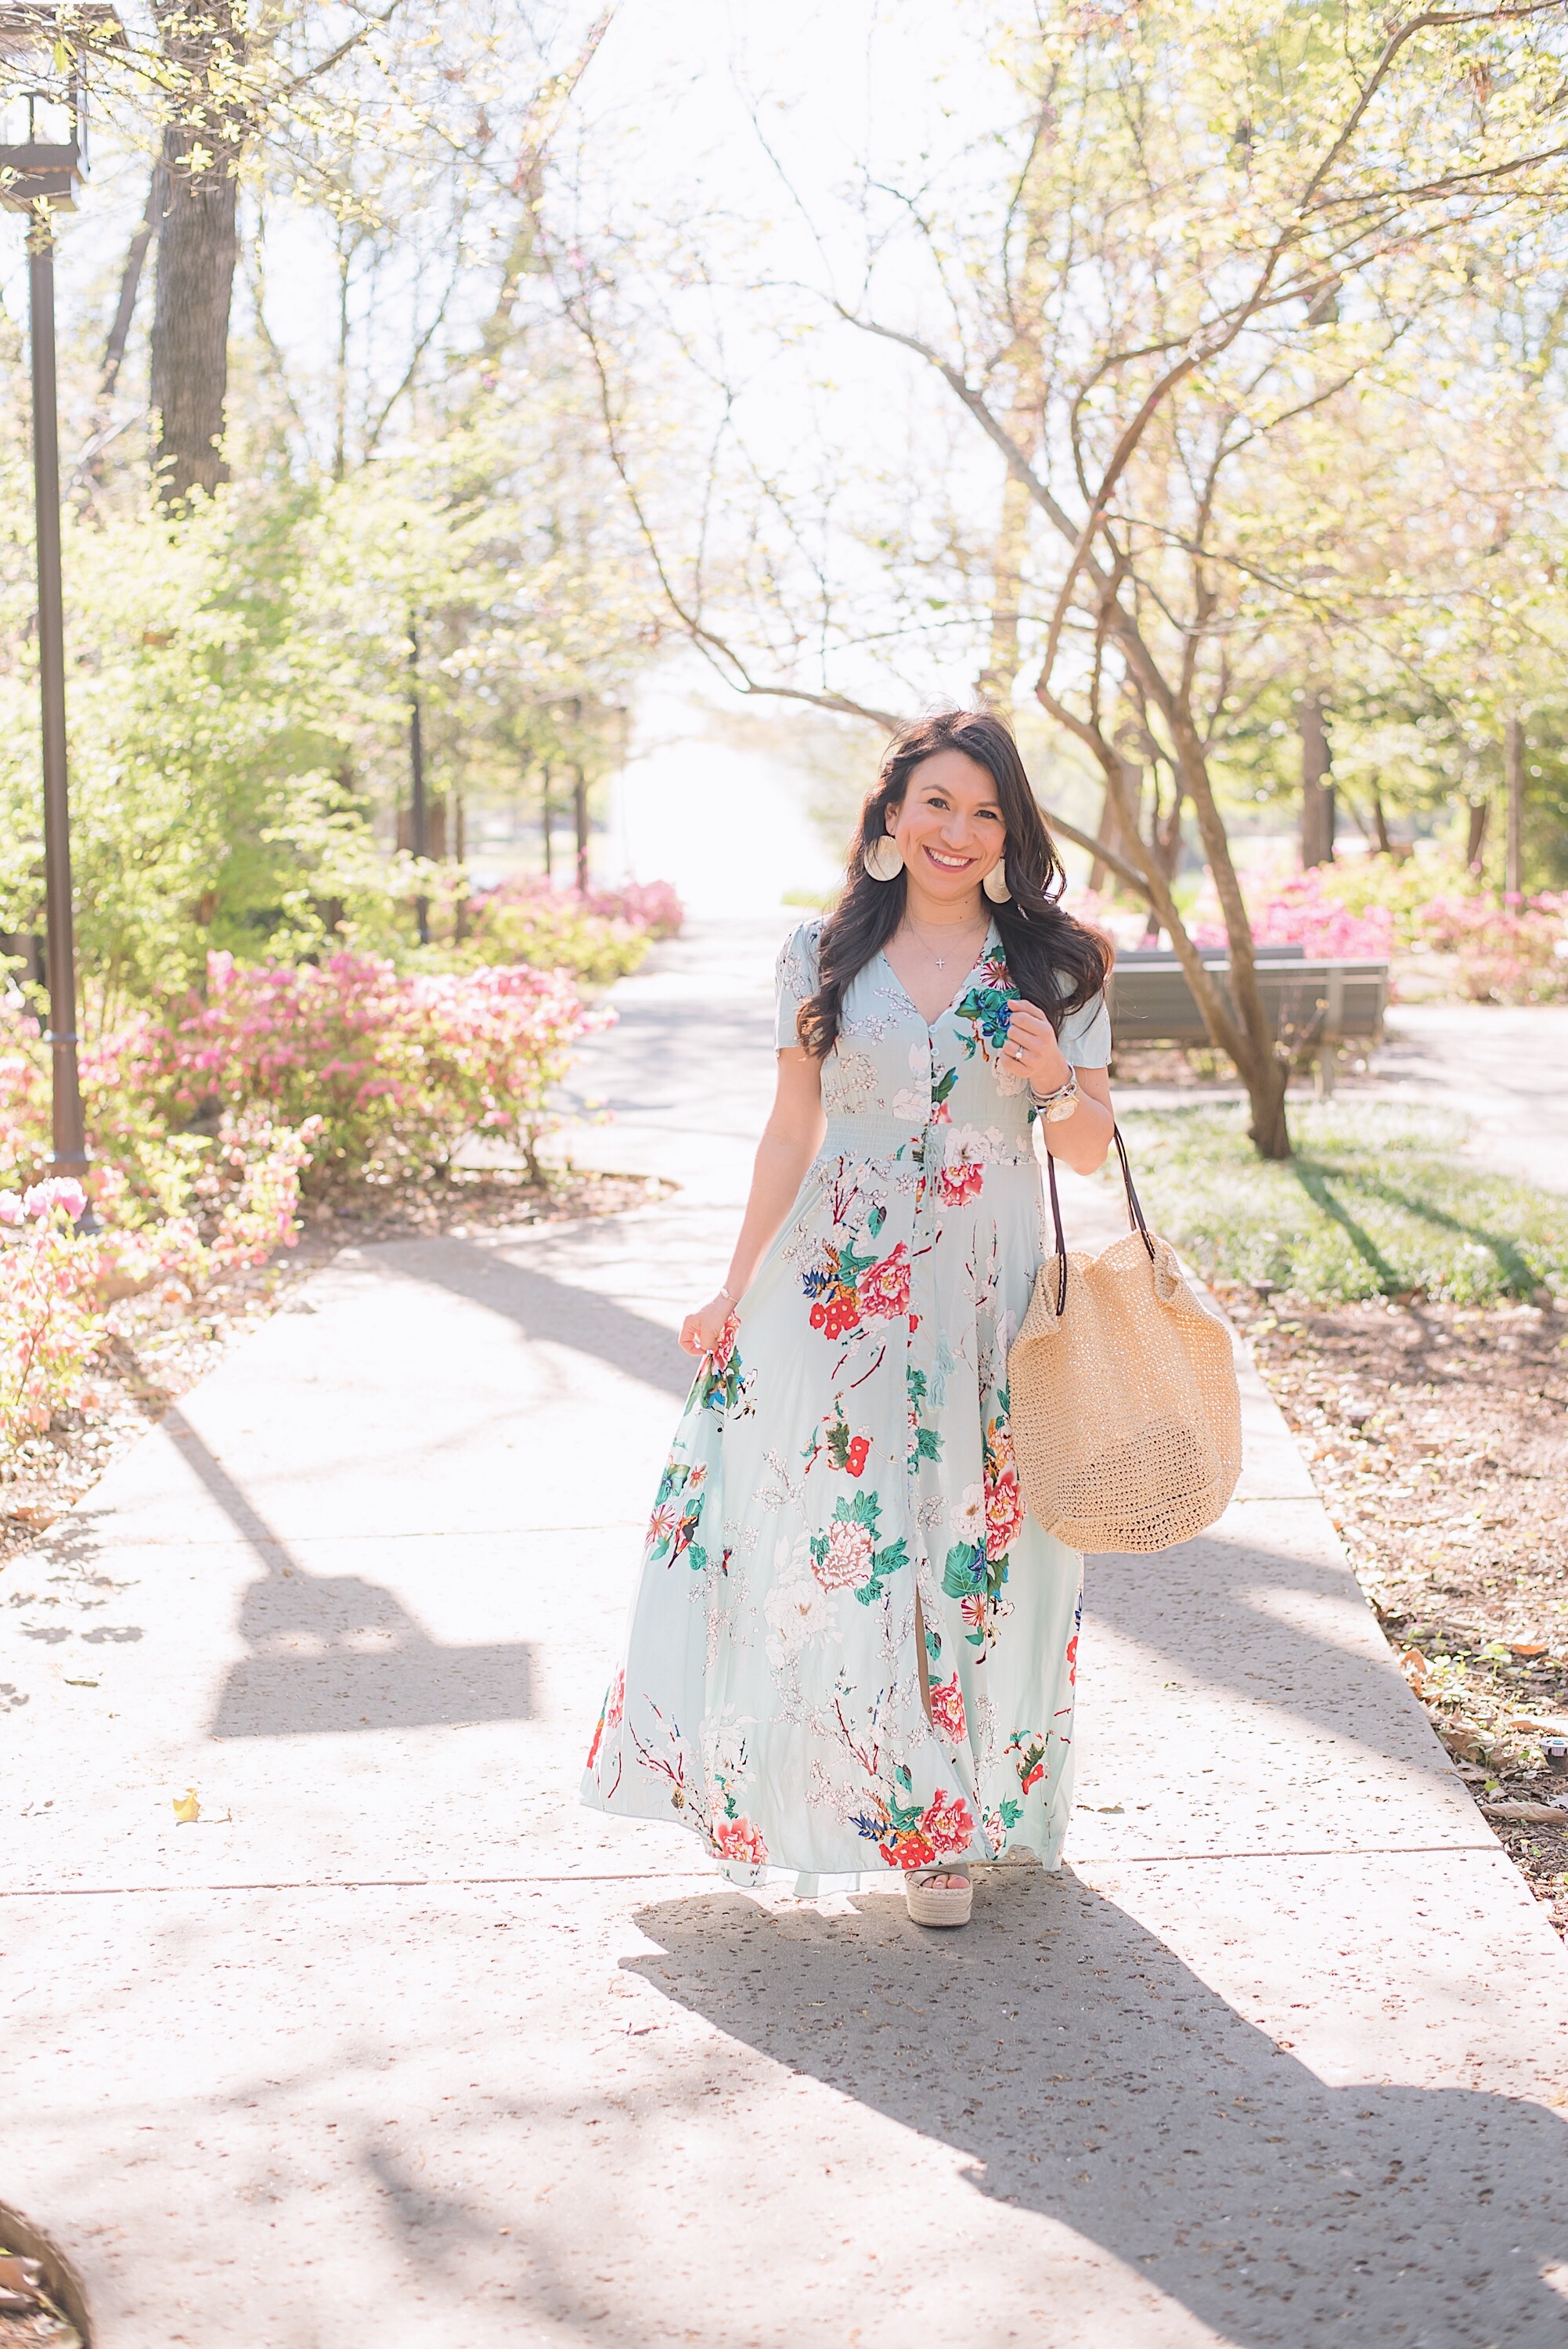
[996, 883]
[884, 858]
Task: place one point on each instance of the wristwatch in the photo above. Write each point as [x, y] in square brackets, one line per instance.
[1054, 1106]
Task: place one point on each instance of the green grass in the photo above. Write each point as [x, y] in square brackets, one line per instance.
[1377, 1201]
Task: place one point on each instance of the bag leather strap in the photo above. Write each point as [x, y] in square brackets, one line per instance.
[1134, 1222]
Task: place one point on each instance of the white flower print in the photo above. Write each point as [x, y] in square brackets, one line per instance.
[968, 1518]
[849, 1083]
[796, 1606]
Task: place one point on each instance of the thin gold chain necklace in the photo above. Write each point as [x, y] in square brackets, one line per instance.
[941, 960]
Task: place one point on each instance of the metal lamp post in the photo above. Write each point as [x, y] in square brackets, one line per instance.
[38, 176]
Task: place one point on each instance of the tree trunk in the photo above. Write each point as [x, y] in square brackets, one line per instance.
[1239, 1027]
[1475, 845]
[1380, 823]
[579, 815]
[547, 824]
[1108, 828]
[130, 281]
[197, 244]
[1318, 809]
[1262, 1067]
[1513, 768]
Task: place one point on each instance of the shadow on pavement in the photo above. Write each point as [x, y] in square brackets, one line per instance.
[1093, 2079]
[548, 1311]
[1192, 1608]
[334, 1653]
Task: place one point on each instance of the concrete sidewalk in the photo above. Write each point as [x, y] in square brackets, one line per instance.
[398, 2046]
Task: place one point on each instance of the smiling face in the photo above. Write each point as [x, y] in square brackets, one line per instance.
[950, 828]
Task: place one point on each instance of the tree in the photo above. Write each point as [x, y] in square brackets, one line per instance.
[209, 102]
[1193, 233]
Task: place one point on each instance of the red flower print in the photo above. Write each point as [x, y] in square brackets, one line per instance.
[908, 1848]
[884, 1289]
[959, 1181]
[847, 1559]
[1072, 1661]
[858, 1452]
[1004, 1510]
[738, 1839]
[949, 1825]
[947, 1710]
[973, 1610]
[615, 1706]
[726, 1346]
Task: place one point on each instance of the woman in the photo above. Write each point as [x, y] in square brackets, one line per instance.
[851, 1652]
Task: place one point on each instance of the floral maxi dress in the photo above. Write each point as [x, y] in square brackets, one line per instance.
[841, 1494]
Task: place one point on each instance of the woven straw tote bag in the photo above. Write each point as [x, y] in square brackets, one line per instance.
[1127, 1420]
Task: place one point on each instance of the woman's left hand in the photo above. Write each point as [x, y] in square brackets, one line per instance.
[1032, 1050]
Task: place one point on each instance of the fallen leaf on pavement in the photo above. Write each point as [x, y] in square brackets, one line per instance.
[187, 1809]
[21, 2284]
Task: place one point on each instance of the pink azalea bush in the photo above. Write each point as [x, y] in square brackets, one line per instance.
[597, 937]
[1516, 952]
[1300, 909]
[401, 1070]
[650, 905]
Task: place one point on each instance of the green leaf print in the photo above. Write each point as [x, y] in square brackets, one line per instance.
[883, 1561]
[964, 1573]
[986, 1008]
[846, 1556]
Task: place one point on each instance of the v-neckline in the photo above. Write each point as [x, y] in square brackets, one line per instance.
[948, 1009]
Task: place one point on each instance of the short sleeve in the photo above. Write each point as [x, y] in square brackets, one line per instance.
[797, 980]
[1085, 1035]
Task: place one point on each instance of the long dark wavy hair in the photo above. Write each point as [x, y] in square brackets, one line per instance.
[1053, 960]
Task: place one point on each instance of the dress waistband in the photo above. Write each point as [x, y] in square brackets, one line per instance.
[881, 1136]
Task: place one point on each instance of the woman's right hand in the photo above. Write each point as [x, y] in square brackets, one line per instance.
[701, 1330]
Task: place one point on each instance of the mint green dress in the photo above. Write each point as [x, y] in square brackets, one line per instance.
[842, 1490]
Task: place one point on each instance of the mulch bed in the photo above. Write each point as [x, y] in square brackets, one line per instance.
[162, 1341]
[1437, 1438]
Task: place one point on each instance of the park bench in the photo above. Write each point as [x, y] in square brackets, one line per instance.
[1315, 1008]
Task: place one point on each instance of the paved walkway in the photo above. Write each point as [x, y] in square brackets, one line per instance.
[1506, 1069]
[395, 2045]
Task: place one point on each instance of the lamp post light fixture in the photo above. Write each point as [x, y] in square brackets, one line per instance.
[38, 176]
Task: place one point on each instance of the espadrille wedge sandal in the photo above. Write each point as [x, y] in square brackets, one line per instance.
[939, 1904]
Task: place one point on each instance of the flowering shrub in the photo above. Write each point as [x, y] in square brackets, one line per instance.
[529, 921]
[1301, 909]
[651, 905]
[50, 1319]
[205, 1124]
[597, 937]
[1513, 953]
[401, 1070]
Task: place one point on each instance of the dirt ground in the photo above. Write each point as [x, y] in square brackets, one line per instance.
[1438, 1435]
[160, 1343]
